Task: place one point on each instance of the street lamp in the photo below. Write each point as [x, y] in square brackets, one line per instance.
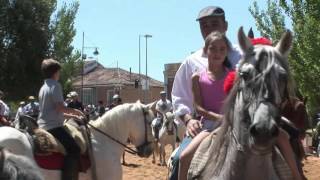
[83, 57]
[147, 79]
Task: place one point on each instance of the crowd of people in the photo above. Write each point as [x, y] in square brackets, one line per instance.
[31, 108]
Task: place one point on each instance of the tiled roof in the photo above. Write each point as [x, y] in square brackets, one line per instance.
[111, 76]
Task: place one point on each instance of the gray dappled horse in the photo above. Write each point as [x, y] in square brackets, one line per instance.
[244, 146]
[14, 167]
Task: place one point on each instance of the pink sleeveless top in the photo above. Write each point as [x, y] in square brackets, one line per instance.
[212, 96]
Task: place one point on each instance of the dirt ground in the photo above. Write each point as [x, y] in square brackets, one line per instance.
[143, 169]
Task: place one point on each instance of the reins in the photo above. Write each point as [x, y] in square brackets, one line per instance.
[127, 148]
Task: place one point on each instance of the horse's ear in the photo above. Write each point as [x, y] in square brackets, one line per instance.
[152, 107]
[284, 45]
[244, 41]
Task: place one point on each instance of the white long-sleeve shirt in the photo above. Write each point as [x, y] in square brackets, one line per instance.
[182, 97]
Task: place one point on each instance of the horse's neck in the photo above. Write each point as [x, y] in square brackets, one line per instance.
[116, 127]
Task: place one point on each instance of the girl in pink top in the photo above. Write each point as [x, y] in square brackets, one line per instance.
[208, 94]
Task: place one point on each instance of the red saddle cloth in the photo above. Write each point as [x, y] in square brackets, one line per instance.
[54, 161]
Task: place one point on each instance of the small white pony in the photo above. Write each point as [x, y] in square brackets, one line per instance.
[127, 121]
[168, 134]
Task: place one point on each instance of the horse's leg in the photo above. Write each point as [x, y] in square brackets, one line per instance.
[153, 158]
[162, 153]
[164, 157]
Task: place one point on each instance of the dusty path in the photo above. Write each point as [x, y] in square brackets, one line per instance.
[143, 169]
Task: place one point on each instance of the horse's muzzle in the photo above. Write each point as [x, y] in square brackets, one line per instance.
[145, 150]
[267, 132]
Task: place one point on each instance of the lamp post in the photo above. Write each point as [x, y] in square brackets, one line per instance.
[147, 79]
[83, 57]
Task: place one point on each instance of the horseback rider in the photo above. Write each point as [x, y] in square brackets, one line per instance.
[51, 117]
[75, 103]
[211, 18]
[163, 106]
[32, 108]
[4, 112]
[20, 112]
[116, 100]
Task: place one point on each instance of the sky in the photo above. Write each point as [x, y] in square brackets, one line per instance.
[114, 27]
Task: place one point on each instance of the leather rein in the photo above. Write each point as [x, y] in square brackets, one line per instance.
[127, 148]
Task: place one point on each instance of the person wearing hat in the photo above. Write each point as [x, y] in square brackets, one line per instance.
[163, 106]
[4, 112]
[211, 18]
[32, 108]
[101, 109]
[116, 100]
[20, 112]
[75, 103]
[53, 113]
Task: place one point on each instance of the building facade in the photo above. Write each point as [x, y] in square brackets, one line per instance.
[169, 74]
[100, 84]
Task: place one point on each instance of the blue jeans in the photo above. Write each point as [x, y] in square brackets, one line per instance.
[175, 160]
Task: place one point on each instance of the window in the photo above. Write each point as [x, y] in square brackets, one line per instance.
[110, 94]
[89, 96]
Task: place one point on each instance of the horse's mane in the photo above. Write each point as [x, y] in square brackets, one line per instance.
[115, 114]
[222, 140]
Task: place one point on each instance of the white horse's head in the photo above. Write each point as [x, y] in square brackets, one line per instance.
[144, 141]
[129, 121]
[168, 124]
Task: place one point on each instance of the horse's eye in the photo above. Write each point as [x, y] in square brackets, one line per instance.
[244, 75]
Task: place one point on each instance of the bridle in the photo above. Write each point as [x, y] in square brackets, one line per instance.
[127, 148]
[248, 102]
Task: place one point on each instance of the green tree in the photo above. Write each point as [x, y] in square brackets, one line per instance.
[62, 49]
[303, 19]
[25, 38]
[30, 32]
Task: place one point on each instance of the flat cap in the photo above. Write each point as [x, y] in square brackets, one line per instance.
[163, 92]
[210, 11]
[73, 94]
[31, 98]
[116, 96]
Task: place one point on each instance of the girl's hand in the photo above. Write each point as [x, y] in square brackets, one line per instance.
[193, 127]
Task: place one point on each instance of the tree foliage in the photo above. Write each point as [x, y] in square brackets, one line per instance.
[62, 50]
[302, 17]
[29, 34]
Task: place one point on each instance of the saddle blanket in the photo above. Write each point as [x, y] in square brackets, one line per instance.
[54, 161]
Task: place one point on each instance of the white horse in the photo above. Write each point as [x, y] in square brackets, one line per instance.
[168, 134]
[127, 121]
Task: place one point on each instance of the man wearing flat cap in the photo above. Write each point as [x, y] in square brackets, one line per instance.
[162, 107]
[211, 18]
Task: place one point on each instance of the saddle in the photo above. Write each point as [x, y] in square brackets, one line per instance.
[49, 152]
[45, 143]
